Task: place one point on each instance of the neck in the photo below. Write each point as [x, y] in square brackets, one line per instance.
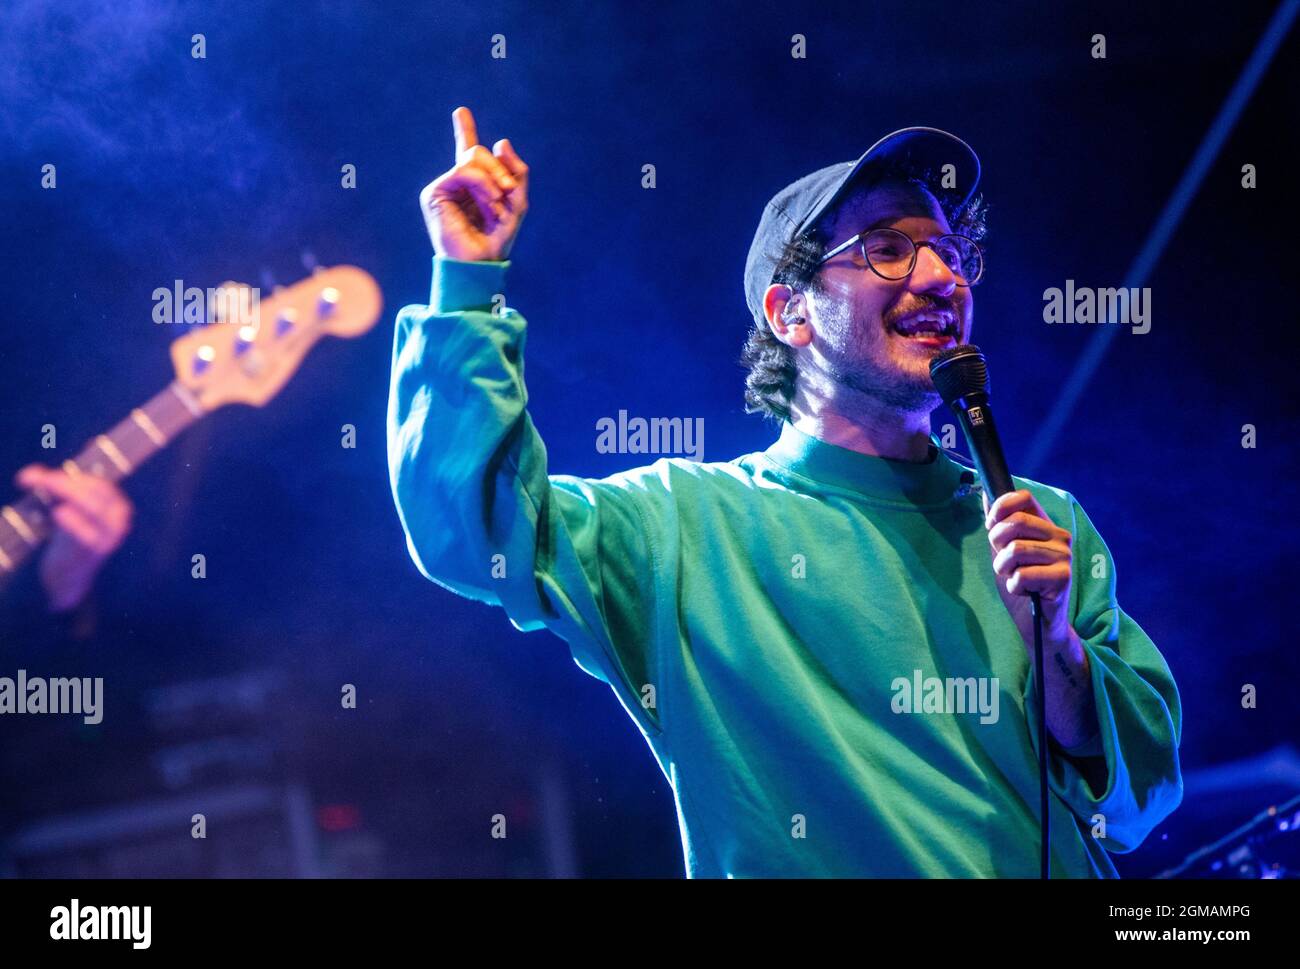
[862, 423]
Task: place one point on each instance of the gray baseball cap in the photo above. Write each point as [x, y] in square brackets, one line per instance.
[802, 204]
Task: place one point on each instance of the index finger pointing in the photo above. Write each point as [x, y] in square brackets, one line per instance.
[462, 123]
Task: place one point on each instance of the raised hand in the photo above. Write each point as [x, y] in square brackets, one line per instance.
[473, 210]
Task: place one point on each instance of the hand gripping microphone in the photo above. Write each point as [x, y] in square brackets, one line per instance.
[961, 375]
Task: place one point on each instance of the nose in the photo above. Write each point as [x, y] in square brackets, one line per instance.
[931, 274]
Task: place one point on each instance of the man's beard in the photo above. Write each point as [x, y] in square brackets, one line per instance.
[852, 366]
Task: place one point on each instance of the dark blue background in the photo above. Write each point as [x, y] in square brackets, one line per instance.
[229, 168]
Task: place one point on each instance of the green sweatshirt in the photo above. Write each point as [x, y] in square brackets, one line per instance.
[810, 639]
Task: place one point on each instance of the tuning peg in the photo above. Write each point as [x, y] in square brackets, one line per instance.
[328, 301]
[234, 302]
[203, 357]
[285, 321]
[247, 334]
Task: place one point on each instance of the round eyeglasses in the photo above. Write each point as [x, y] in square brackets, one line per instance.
[891, 254]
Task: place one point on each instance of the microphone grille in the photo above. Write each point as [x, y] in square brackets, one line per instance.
[959, 371]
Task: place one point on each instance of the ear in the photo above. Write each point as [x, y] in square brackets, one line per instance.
[787, 315]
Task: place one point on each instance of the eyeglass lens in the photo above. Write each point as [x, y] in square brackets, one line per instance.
[893, 254]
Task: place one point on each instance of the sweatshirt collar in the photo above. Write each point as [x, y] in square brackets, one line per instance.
[930, 482]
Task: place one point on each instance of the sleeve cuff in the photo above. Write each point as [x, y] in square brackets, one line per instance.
[460, 285]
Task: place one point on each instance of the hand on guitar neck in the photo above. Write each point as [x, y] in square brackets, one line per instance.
[237, 361]
[92, 517]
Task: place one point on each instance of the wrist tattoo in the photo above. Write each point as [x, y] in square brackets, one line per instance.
[1065, 671]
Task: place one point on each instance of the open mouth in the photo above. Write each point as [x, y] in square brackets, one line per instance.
[930, 327]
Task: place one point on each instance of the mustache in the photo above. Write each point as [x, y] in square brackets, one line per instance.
[919, 303]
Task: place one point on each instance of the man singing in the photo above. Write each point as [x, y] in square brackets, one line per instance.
[827, 644]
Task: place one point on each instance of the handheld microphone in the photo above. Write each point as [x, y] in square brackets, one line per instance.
[961, 375]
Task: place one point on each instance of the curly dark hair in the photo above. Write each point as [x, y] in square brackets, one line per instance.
[772, 366]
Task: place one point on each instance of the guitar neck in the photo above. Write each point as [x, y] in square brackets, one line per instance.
[25, 524]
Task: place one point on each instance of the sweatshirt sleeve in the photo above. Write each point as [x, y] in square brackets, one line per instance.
[1129, 772]
[481, 515]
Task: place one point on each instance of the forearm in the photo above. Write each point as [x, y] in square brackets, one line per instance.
[481, 514]
[455, 404]
[1071, 703]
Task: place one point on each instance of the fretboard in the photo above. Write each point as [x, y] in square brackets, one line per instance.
[26, 524]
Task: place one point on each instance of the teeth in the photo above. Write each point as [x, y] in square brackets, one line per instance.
[926, 323]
